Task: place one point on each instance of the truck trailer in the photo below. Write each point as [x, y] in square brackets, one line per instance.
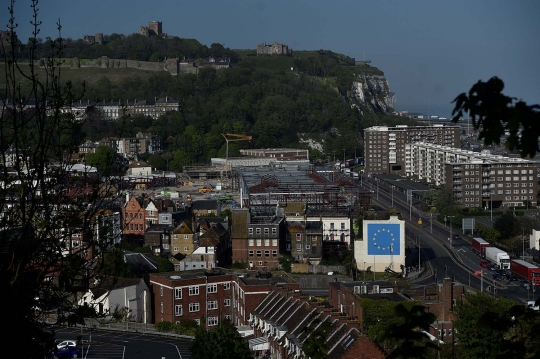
[499, 257]
[526, 270]
[479, 246]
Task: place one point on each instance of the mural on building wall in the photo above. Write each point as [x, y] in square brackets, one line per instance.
[383, 239]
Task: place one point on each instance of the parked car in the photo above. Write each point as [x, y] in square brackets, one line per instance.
[64, 343]
[511, 277]
[484, 263]
[67, 351]
[496, 276]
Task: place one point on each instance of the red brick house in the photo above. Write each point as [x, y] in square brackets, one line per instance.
[255, 239]
[134, 220]
[200, 295]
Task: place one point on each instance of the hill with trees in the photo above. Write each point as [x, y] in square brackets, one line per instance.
[314, 99]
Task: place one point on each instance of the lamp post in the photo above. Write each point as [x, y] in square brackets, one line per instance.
[450, 239]
[343, 158]
[364, 271]
[523, 242]
[491, 205]
[431, 222]
[392, 195]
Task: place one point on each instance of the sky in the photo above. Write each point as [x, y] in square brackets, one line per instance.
[429, 50]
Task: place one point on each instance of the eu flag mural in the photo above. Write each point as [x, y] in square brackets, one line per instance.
[383, 239]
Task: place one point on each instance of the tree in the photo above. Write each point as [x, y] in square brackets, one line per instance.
[164, 265]
[104, 159]
[494, 114]
[221, 342]
[506, 225]
[476, 339]
[411, 342]
[42, 202]
[315, 344]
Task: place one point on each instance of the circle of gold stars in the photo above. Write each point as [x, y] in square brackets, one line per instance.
[375, 239]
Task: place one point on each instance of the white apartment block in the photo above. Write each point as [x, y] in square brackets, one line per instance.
[475, 179]
[384, 147]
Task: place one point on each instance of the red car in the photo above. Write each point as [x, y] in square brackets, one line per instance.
[484, 264]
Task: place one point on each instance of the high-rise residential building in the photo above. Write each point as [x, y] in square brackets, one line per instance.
[475, 179]
[384, 147]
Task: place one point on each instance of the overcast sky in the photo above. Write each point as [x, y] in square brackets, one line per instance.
[429, 50]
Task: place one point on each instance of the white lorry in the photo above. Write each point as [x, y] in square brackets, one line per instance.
[498, 257]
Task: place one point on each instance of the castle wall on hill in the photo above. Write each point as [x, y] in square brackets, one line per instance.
[173, 66]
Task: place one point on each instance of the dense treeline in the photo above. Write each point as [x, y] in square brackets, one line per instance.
[273, 106]
[132, 47]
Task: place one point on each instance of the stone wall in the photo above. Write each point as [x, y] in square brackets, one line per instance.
[173, 66]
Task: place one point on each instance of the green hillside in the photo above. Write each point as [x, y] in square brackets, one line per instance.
[259, 96]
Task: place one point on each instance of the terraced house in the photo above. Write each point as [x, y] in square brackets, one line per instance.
[288, 320]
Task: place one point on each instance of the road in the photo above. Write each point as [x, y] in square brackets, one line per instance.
[120, 345]
[448, 258]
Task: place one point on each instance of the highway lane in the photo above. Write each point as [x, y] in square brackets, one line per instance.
[437, 248]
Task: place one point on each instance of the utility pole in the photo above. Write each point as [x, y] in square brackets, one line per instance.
[343, 158]
[419, 265]
[450, 239]
[431, 222]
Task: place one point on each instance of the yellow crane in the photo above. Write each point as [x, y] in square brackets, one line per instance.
[231, 137]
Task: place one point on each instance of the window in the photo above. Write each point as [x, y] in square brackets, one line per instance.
[258, 230]
[194, 290]
[267, 253]
[342, 225]
[194, 307]
[212, 321]
[299, 247]
[198, 321]
[212, 304]
[226, 286]
[266, 230]
[178, 293]
[251, 231]
[186, 236]
[274, 230]
[307, 246]
[267, 243]
[251, 253]
[259, 253]
[165, 246]
[176, 249]
[212, 288]
[274, 253]
[227, 302]
[259, 242]
[298, 236]
[161, 291]
[228, 317]
[331, 226]
[161, 307]
[274, 242]
[186, 248]
[251, 242]
[178, 309]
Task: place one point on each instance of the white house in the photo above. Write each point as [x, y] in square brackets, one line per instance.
[119, 294]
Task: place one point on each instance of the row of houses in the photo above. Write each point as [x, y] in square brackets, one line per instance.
[271, 310]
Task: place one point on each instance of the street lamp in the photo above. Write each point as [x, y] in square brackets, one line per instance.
[491, 205]
[450, 239]
[392, 195]
[364, 271]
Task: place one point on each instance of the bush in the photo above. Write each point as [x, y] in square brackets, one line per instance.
[239, 265]
[164, 327]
